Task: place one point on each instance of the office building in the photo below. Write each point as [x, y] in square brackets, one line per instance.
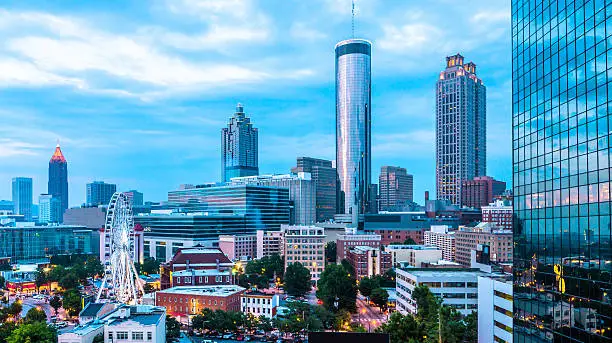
[305, 245]
[204, 266]
[90, 217]
[498, 212]
[368, 261]
[561, 169]
[302, 193]
[442, 237]
[136, 197]
[22, 197]
[413, 255]
[141, 323]
[183, 302]
[49, 209]
[57, 185]
[457, 287]
[269, 243]
[395, 187]
[100, 193]
[353, 125]
[351, 239]
[324, 176]
[259, 304]
[480, 191]
[263, 207]
[397, 227]
[460, 128]
[498, 239]
[239, 147]
[495, 308]
[239, 247]
[6, 205]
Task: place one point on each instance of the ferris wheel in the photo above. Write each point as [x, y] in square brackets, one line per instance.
[120, 281]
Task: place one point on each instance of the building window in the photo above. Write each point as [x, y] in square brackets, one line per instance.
[149, 336]
[122, 335]
[137, 336]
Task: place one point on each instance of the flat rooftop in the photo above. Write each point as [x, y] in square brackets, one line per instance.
[411, 247]
[444, 272]
[213, 291]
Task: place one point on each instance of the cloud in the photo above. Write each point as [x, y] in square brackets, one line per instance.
[493, 16]
[19, 73]
[410, 38]
[12, 148]
[302, 31]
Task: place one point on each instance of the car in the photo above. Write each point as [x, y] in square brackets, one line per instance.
[61, 325]
[227, 336]
[239, 338]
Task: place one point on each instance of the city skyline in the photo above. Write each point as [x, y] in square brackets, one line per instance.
[172, 132]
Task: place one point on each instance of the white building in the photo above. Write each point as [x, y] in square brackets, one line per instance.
[443, 238]
[49, 209]
[458, 288]
[259, 304]
[495, 309]
[415, 255]
[125, 324]
[269, 243]
[305, 245]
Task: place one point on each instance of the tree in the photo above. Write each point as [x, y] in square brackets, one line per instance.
[99, 338]
[402, 329]
[69, 281]
[348, 267]
[264, 324]
[57, 273]
[366, 285]
[150, 266]
[380, 298]
[93, 267]
[173, 329]
[55, 303]
[6, 329]
[38, 332]
[337, 288]
[2, 281]
[297, 280]
[5, 266]
[409, 241]
[42, 278]
[14, 310]
[35, 315]
[471, 327]
[330, 252]
[72, 302]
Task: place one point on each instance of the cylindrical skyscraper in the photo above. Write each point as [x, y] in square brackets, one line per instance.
[353, 125]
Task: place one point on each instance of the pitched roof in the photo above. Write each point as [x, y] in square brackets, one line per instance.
[198, 255]
[91, 309]
[58, 156]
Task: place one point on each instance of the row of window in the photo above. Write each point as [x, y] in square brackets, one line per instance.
[136, 335]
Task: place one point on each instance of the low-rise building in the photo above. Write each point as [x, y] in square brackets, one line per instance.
[368, 261]
[202, 277]
[415, 255]
[498, 239]
[197, 259]
[190, 300]
[458, 288]
[305, 245]
[94, 311]
[495, 312]
[442, 237]
[499, 212]
[352, 239]
[259, 304]
[269, 243]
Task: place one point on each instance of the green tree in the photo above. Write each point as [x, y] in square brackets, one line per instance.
[380, 298]
[94, 267]
[264, 324]
[6, 329]
[150, 266]
[80, 273]
[38, 332]
[35, 315]
[173, 329]
[402, 329]
[471, 327]
[297, 280]
[337, 288]
[5, 266]
[55, 302]
[72, 302]
[330, 252]
[69, 281]
[348, 267]
[41, 279]
[99, 338]
[57, 273]
[2, 281]
[366, 285]
[14, 310]
[409, 241]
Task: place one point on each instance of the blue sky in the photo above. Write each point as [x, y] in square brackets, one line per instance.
[138, 91]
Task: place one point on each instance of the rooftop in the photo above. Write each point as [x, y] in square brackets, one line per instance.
[83, 330]
[198, 255]
[91, 310]
[57, 155]
[217, 291]
[200, 272]
[444, 272]
[142, 314]
[411, 247]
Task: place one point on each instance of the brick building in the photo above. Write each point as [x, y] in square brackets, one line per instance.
[480, 191]
[195, 259]
[190, 300]
[351, 239]
[368, 261]
[498, 239]
[499, 212]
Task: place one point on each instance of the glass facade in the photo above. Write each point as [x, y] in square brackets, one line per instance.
[264, 208]
[239, 147]
[562, 59]
[324, 176]
[100, 193]
[353, 125]
[460, 128]
[57, 185]
[22, 197]
[395, 188]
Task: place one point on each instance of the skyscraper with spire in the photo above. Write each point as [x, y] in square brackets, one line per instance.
[239, 147]
[58, 179]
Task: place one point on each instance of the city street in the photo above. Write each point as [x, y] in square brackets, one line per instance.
[368, 316]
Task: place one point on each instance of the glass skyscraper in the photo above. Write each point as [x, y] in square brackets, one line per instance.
[396, 189]
[562, 59]
[324, 176]
[239, 147]
[100, 193]
[57, 185]
[22, 197]
[353, 125]
[460, 128]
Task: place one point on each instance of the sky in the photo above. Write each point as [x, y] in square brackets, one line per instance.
[137, 92]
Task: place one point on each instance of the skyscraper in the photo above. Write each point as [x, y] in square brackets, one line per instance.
[239, 147]
[22, 196]
[136, 197]
[561, 170]
[353, 125]
[57, 185]
[460, 128]
[49, 209]
[395, 188]
[100, 193]
[324, 176]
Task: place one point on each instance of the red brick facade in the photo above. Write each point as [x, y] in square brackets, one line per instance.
[399, 236]
[188, 302]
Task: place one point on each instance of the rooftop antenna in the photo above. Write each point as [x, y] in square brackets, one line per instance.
[353, 18]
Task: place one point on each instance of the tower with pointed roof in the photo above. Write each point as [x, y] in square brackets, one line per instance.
[58, 179]
[239, 147]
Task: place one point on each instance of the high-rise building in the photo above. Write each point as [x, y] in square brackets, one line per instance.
[305, 245]
[443, 238]
[353, 125]
[561, 170]
[324, 177]
[480, 191]
[136, 197]
[100, 193]
[57, 185]
[22, 197]
[395, 188]
[498, 239]
[239, 147]
[49, 209]
[460, 128]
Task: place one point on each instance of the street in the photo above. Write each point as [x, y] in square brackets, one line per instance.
[369, 317]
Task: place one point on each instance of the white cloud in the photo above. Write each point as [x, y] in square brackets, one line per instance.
[11, 148]
[19, 73]
[211, 9]
[493, 16]
[302, 31]
[410, 38]
[216, 38]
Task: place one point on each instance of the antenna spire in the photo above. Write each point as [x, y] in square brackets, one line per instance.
[353, 18]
